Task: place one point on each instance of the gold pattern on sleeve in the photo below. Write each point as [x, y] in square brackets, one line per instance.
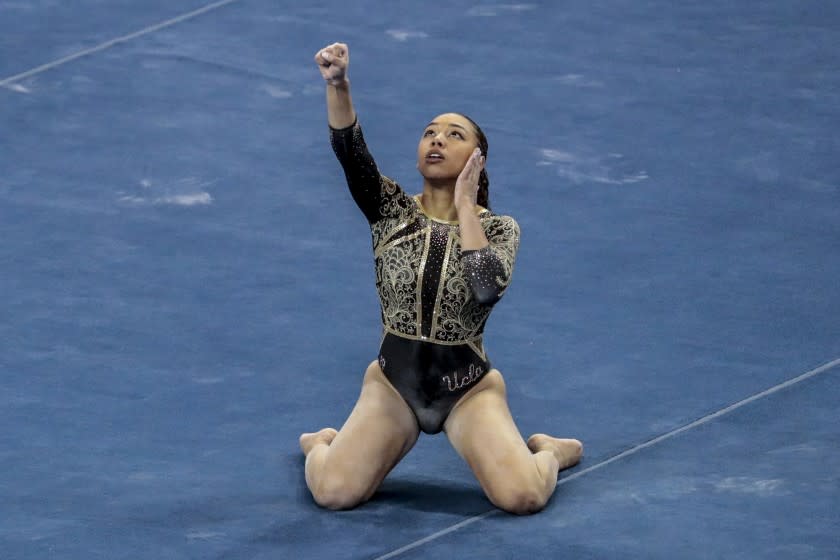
[503, 234]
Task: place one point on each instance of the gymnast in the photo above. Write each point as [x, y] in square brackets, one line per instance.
[442, 260]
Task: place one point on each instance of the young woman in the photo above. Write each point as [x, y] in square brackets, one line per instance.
[442, 261]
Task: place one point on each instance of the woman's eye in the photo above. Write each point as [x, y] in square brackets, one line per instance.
[457, 135]
[429, 133]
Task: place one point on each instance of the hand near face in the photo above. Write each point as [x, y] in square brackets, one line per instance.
[466, 186]
[333, 61]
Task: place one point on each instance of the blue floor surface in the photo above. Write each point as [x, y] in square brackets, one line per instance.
[759, 482]
[188, 286]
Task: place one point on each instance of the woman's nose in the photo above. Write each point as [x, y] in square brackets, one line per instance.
[438, 139]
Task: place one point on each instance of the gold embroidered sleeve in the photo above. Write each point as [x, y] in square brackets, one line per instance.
[489, 269]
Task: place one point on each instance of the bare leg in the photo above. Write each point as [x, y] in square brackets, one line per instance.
[344, 469]
[517, 477]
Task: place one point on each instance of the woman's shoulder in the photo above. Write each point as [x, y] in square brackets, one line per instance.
[500, 227]
[393, 201]
[491, 217]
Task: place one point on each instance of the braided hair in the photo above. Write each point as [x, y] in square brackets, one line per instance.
[483, 197]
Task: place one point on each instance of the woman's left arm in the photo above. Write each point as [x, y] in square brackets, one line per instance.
[487, 256]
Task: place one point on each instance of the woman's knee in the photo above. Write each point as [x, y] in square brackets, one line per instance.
[337, 491]
[520, 500]
[520, 492]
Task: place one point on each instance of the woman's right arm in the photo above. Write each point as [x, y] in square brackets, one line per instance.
[376, 196]
[332, 62]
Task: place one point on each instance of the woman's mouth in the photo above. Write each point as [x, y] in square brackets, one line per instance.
[434, 157]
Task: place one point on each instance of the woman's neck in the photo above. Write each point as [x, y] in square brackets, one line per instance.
[439, 202]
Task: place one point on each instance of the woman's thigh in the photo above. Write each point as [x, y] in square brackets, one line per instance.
[482, 430]
[380, 430]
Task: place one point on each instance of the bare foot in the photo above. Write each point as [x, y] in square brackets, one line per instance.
[310, 440]
[567, 451]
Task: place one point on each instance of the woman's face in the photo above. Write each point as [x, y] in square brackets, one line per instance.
[446, 145]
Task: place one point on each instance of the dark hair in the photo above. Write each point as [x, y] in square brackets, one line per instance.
[483, 198]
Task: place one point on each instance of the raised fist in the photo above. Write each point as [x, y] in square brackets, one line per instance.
[332, 61]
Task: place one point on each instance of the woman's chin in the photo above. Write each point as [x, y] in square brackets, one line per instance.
[437, 175]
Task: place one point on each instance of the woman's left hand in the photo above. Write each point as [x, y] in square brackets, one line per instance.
[466, 187]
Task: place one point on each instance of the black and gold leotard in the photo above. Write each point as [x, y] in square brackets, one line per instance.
[435, 297]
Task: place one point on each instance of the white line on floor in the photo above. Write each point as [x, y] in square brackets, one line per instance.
[7, 82]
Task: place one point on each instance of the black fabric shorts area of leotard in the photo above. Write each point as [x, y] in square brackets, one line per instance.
[430, 377]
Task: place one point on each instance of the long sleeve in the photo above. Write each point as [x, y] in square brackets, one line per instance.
[489, 269]
[376, 195]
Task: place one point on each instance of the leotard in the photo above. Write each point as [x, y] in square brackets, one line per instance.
[435, 297]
